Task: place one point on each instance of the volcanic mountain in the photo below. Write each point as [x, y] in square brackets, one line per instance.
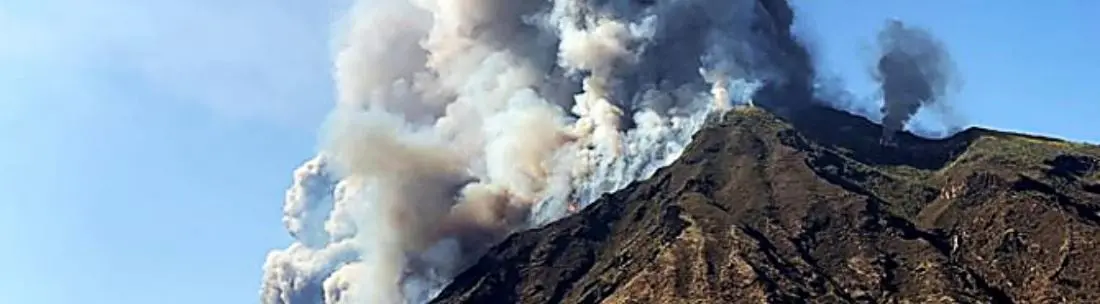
[813, 208]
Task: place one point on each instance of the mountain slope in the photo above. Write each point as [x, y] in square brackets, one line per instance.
[760, 209]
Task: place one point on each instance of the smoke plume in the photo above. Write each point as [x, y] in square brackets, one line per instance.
[462, 121]
[913, 70]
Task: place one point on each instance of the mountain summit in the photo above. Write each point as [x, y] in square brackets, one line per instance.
[781, 210]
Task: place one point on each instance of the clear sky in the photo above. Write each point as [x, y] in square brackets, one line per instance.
[147, 143]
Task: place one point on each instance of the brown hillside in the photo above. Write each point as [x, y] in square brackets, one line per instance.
[762, 210]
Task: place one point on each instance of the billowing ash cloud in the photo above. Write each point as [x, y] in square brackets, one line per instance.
[462, 121]
[913, 70]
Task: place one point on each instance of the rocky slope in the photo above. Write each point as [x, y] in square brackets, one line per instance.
[812, 208]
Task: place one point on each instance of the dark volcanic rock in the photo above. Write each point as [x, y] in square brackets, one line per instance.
[761, 209]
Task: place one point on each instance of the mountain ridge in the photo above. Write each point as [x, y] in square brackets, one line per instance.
[812, 208]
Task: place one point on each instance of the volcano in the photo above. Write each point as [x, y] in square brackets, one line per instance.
[493, 149]
[811, 208]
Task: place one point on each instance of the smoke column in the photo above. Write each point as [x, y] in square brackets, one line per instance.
[914, 70]
[459, 122]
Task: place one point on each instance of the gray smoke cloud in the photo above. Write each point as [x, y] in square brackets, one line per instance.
[914, 70]
[459, 122]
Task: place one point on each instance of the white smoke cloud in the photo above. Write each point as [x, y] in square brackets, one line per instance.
[462, 121]
[308, 203]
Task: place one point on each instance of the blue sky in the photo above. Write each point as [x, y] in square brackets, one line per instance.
[148, 142]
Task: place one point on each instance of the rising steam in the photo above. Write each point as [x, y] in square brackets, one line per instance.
[914, 70]
[462, 121]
